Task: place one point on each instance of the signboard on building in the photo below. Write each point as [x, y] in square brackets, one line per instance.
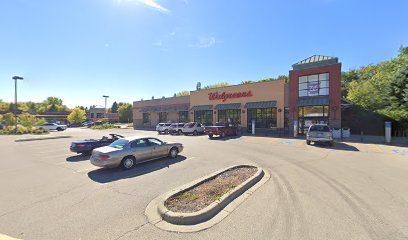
[313, 89]
[224, 95]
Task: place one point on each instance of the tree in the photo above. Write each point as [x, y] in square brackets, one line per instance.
[8, 119]
[77, 115]
[247, 82]
[125, 113]
[218, 85]
[27, 120]
[183, 93]
[114, 108]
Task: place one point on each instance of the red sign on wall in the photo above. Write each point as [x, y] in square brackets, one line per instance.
[224, 95]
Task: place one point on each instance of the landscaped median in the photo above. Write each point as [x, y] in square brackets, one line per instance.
[203, 203]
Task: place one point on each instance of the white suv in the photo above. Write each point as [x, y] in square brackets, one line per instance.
[193, 128]
[163, 128]
[176, 128]
[53, 126]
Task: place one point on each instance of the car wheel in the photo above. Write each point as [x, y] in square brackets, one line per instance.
[195, 133]
[166, 131]
[331, 143]
[210, 135]
[173, 153]
[158, 132]
[180, 132]
[307, 142]
[128, 163]
[59, 129]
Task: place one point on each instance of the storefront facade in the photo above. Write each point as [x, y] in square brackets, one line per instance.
[315, 93]
[312, 95]
[148, 113]
[263, 102]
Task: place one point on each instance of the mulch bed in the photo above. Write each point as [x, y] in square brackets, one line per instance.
[204, 194]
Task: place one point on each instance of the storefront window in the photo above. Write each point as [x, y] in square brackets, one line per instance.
[264, 117]
[205, 116]
[163, 117]
[314, 85]
[146, 117]
[183, 116]
[314, 111]
[233, 115]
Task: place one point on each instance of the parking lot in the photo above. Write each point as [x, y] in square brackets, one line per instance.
[350, 191]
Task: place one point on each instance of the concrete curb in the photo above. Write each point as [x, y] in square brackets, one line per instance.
[165, 219]
[40, 138]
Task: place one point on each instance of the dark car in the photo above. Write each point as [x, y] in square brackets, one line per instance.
[221, 130]
[74, 125]
[86, 146]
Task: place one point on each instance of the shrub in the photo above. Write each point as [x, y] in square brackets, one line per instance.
[105, 126]
[22, 130]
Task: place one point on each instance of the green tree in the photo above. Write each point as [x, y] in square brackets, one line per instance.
[218, 85]
[8, 119]
[77, 115]
[125, 112]
[183, 93]
[114, 108]
[247, 82]
[27, 120]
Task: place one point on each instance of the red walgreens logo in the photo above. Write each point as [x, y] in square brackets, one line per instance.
[224, 96]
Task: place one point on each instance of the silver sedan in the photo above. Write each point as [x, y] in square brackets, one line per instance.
[127, 152]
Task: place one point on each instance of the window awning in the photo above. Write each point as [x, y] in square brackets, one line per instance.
[228, 106]
[202, 107]
[266, 104]
[313, 101]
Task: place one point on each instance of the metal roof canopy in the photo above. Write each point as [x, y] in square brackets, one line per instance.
[202, 107]
[313, 101]
[266, 104]
[228, 106]
[315, 61]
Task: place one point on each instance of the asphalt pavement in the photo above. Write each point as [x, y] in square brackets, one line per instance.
[351, 191]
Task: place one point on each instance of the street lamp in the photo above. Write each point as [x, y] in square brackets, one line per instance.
[15, 78]
[106, 99]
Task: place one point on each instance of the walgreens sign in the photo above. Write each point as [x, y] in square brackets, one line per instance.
[224, 95]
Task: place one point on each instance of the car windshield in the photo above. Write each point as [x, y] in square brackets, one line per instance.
[119, 144]
[319, 128]
[161, 124]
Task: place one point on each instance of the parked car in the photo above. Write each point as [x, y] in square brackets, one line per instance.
[193, 128]
[163, 128]
[176, 128]
[319, 133]
[86, 146]
[74, 125]
[53, 126]
[127, 152]
[221, 130]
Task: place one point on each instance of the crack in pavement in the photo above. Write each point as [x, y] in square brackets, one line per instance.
[132, 230]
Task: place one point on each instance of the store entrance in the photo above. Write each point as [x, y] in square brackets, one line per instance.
[305, 123]
[309, 115]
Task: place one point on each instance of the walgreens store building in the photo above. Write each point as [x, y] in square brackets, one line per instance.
[312, 95]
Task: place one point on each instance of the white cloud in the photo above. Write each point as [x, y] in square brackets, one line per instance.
[158, 43]
[204, 42]
[150, 3]
[153, 4]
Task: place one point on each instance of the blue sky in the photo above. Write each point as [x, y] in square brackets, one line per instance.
[79, 50]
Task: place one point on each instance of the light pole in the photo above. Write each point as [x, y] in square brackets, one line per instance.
[15, 78]
[106, 99]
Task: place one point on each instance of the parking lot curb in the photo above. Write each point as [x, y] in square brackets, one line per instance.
[161, 217]
[40, 138]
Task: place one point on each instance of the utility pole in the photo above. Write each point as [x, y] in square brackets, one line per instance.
[15, 78]
[106, 99]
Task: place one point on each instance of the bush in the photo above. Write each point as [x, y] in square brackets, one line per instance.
[22, 130]
[105, 126]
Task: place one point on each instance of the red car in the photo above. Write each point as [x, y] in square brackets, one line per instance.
[221, 130]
